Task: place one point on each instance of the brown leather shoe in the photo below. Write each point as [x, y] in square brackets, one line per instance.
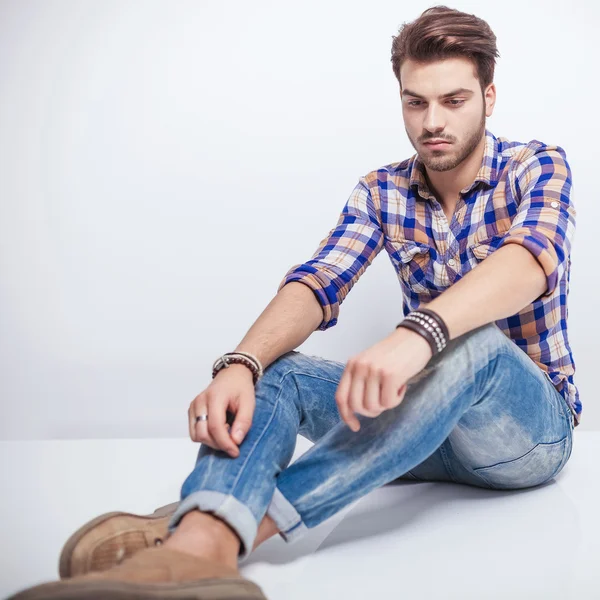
[112, 537]
[153, 573]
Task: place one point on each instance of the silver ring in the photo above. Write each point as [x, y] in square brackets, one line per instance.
[203, 417]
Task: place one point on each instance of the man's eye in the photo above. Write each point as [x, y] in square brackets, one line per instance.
[454, 102]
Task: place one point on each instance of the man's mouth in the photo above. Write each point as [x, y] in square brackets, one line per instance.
[437, 145]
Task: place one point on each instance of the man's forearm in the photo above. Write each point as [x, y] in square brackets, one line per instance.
[503, 284]
[287, 321]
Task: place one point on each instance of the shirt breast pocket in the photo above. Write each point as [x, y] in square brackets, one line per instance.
[482, 248]
[414, 263]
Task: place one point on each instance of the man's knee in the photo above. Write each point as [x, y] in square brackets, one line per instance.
[283, 365]
[487, 338]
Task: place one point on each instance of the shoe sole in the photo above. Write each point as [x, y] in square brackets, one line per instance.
[65, 562]
[206, 589]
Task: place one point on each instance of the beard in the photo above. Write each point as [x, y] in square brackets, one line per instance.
[446, 161]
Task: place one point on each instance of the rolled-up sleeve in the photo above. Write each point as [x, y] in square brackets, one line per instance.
[545, 219]
[343, 255]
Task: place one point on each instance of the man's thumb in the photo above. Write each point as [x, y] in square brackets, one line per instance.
[238, 433]
[241, 425]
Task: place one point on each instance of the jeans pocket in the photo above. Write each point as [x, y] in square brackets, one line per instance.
[535, 467]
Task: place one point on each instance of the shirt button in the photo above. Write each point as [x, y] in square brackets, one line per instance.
[451, 262]
[554, 204]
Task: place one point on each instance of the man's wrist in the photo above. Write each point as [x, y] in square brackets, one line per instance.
[236, 368]
[417, 339]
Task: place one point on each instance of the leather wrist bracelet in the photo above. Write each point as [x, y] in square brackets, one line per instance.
[430, 313]
[430, 325]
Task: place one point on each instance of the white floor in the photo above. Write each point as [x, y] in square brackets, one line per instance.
[412, 540]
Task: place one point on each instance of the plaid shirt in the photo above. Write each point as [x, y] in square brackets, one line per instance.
[520, 195]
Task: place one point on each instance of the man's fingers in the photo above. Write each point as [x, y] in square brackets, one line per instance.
[199, 430]
[217, 427]
[341, 398]
[201, 433]
[402, 393]
[191, 423]
[372, 399]
[390, 392]
[242, 422]
[357, 394]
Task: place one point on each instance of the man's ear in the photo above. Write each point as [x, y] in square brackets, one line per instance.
[490, 99]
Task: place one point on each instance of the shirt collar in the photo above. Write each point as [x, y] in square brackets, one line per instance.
[488, 172]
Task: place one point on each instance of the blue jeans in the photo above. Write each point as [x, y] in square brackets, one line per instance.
[481, 413]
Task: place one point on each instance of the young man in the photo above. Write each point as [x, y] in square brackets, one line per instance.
[476, 385]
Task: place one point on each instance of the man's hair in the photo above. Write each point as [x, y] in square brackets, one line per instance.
[441, 32]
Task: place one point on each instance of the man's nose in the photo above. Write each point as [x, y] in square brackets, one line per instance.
[434, 119]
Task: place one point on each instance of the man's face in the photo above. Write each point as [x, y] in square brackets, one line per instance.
[429, 114]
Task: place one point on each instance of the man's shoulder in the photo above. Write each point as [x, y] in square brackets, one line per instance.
[519, 156]
[398, 170]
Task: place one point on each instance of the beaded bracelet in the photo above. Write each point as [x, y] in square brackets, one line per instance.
[243, 358]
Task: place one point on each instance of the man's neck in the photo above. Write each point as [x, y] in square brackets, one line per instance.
[447, 185]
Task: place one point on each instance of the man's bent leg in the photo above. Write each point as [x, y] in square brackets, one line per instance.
[289, 400]
[483, 396]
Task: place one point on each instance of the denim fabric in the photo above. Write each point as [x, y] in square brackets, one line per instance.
[481, 413]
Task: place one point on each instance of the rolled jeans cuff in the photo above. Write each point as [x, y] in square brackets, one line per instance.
[286, 517]
[228, 508]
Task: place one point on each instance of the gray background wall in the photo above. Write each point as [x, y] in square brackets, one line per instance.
[162, 164]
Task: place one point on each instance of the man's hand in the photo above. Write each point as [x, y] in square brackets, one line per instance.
[232, 390]
[375, 380]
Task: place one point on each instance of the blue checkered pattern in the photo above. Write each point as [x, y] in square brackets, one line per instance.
[521, 195]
